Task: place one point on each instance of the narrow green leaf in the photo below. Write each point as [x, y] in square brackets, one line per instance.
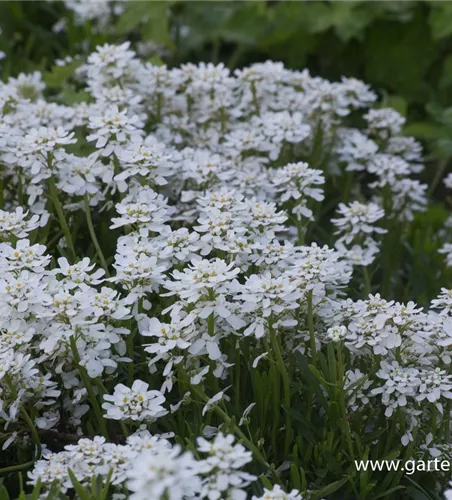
[4, 493]
[81, 491]
[307, 430]
[330, 488]
[310, 378]
[386, 493]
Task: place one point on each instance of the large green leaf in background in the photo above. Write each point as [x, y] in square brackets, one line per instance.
[401, 59]
[441, 19]
[150, 19]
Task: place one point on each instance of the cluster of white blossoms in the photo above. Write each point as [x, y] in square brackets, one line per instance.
[151, 467]
[355, 227]
[100, 13]
[224, 214]
[446, 249]
[136, 403]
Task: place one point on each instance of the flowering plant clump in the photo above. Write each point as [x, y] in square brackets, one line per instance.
[199, 287]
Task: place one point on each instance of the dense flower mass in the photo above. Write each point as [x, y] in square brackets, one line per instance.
[195, 283]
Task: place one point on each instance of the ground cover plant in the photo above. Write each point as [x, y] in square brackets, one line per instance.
[217, 284]
[401, 48]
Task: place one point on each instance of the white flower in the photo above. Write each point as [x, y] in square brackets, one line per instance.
[225, 461]
[384, 122]
[167, 473]
[198, 172]
[354, 149]
[214, 400]
[388, 168]
[44, 140]
[106, 302]
[265, 298]
[79, 273]
[357, 387]
[298, 181]
[94, 457]
[359, 255]
[23, 256]
[29, 86]
[16, 223]
[146, 160]
[407, 148]
[99, 11]
[175, 335]
[443, 301]
[435, 384]
[15, 333]
[277, 493]
[203, 278]
[144, 208]
[113, 128]
[336, 333]
[400, 385]
[446, 250]
[381, 326]
[135, 403]
[357, 219]
[448, 181]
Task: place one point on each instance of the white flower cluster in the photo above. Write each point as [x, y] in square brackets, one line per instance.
[204, 194]
[278, 494]
[404, 383]
[51, 322]
[100, 11]
[296, 181]
[151, 467]
[136, 403]
[355, 227]
[446, 249]
[412, 346]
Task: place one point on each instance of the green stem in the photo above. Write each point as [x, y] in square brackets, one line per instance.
[391, 433]
[254, 99]
[89, 221]
[228, 420]
[342, 400]
[349, 177]
[340, 362]
[447, 422]
[215, 55]
[34, 432]
[311, 329]
[15, 468]
[211, 325]
[286, 384]
[36, 440]
[130, 344]
[61, 217]
[159, 107]
[367, 282]
[237, 380]
[2, 182]
[87, 382]
[124, 428]
[233, 60]
[20, 187]
[300, 232]
[434, 421]
[438, 176]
